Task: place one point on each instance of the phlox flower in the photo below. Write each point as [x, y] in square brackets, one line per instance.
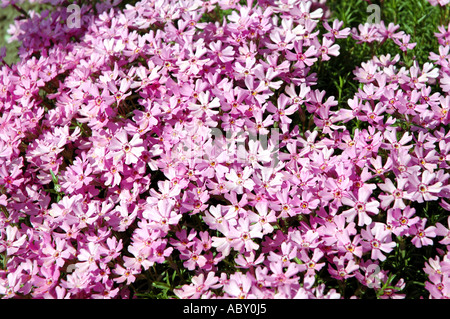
[255, 154]
[120, 147]
[395, 194]
[297, 98]
[11, 179]
[59, 253]
[268, 76]
[282, 111]
[281, 276]
[224, 244]
[308, 202]
[286, 253]
[366, 73]
[404, 43]
[258, 90]
[445, 82]
[311, 264]
[239, 286]
[163, 215]
[377, 239]
[343, 269]
[335, 31]
[438, 2]
[347, 245]
[126, 275]
[304, 12]
[389, 32]
[238, 181]
[435, 267]
[361, 207]
[307, 239]
[327, 119]
[246, 235]
[269, 178]
[287, 204]
[421, 234]
[77, 176]
[378, 166]
[438, 287]
[423, 189]
[195, 61]
[328, 48]
[199, 285]
[88, 257]
[192, 257]
[14, 240]
[46, 280]
[281, 41]
[205, 105]
[122, 217]
[216, 219]
[401, 219]
[248, 260]
[365, 33]
[304, 57]
[262, 218]
[443, 231]
[11, 285]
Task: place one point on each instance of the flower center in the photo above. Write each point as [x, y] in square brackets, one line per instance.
[398, 193]
[127, 148]
[375, 243]
[422, 188]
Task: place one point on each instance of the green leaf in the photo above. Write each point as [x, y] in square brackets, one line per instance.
[161, 285]
[54, 178]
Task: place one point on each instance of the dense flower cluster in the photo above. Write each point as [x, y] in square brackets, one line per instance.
[166, 134]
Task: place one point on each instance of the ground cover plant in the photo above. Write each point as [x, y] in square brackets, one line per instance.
[225, 149]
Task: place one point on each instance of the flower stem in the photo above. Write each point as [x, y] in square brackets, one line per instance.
[21, 10]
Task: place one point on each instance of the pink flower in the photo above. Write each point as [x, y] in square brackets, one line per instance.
[245, 239]
[443, 231]
[423, 190]
[422, 235]
[404, 43]
[281, 276]
[377, 239]
[163, 216]
[304, 57]
[262, 219]
[216, 219]
[126, 275]
[200, 285]
[193, 257]
[344, 268]
[311, 263]
[401, 220]
[347, 245]
[120, 147]
[58, 254]
[361, 206]
[397, 194]
[328, 48]
[238, 181]
[248, 260]
[335, 30]
[287, 253]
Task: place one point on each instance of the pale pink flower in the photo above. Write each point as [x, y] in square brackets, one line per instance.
[120, 147]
